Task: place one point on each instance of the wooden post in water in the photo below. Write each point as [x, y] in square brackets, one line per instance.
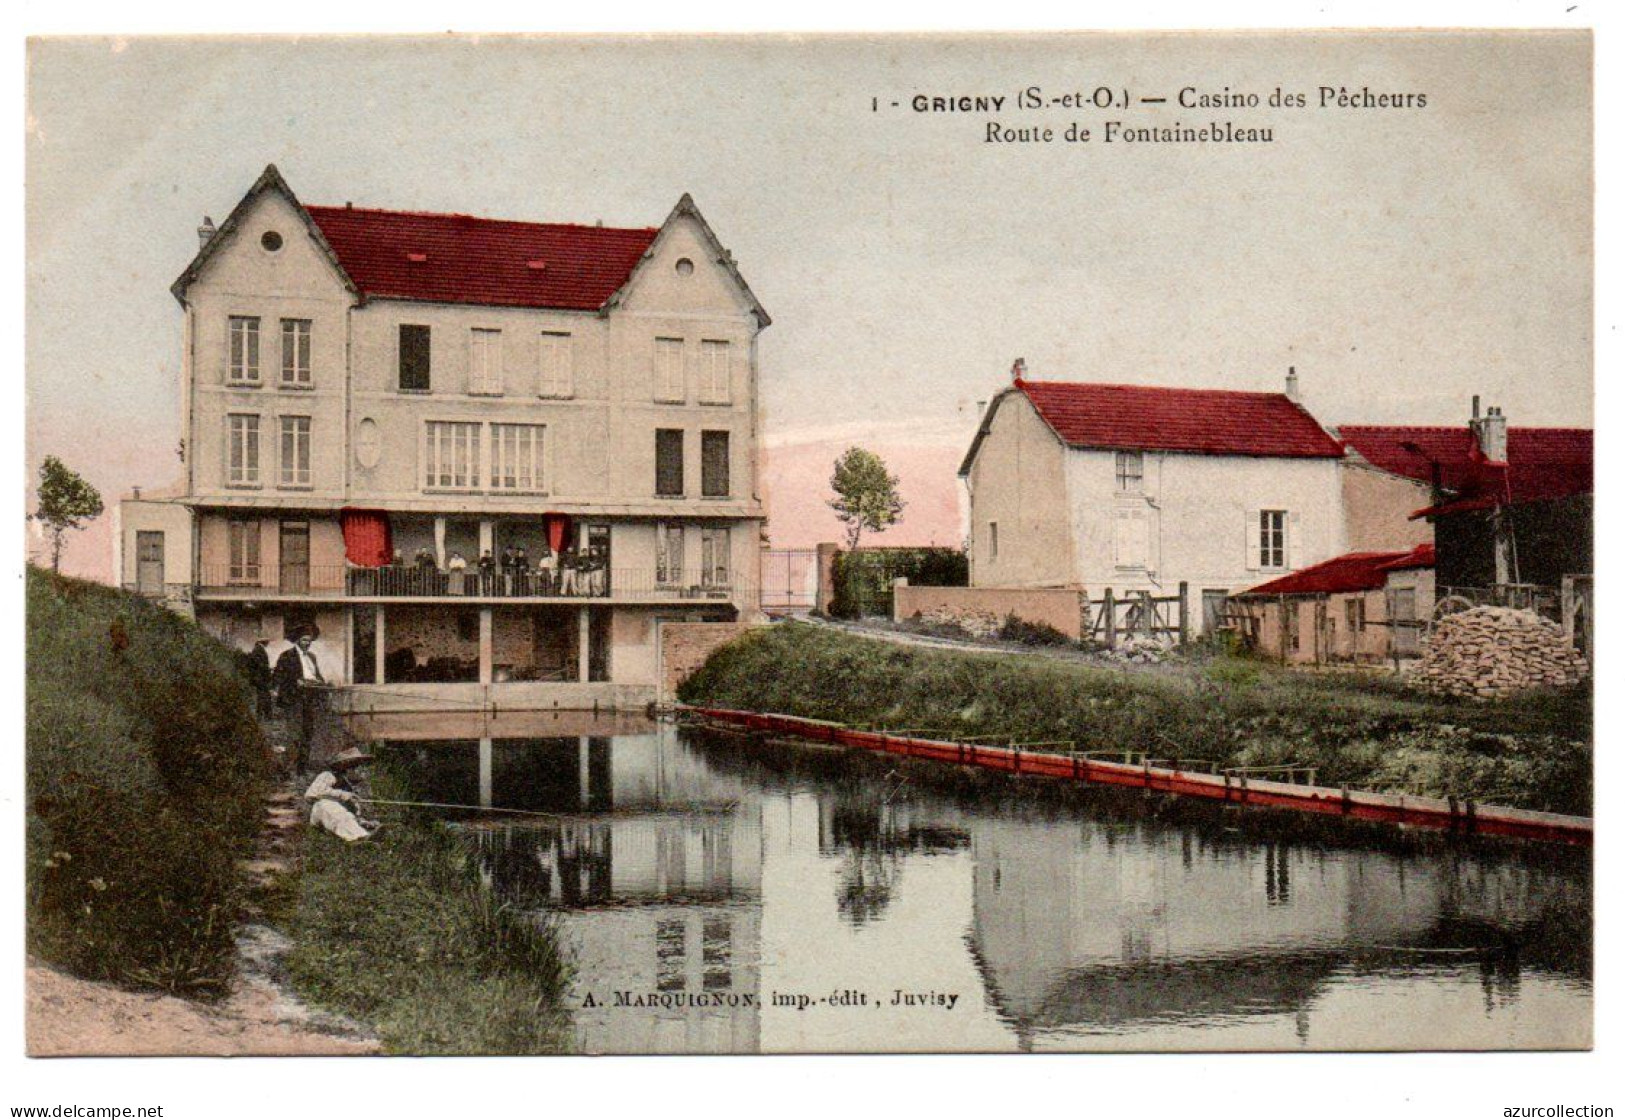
[1110, 609]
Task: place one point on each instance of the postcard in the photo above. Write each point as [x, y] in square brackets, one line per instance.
[810, 544]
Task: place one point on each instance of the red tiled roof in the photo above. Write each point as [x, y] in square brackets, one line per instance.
[1202, 421]
[1353, 571]
[454, 258]
[1543, 464]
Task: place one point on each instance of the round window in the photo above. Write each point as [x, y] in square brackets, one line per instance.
[272, 240]
[685, 267]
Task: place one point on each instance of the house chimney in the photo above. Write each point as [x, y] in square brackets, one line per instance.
[205, 232]
[1292, 393]
[1475, 408]
[1019, 370]
[1491, 433]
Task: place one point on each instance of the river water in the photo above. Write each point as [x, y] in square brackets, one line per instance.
[717, 894]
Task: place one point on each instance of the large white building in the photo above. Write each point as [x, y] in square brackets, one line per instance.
[1139, 489]
[361, 385]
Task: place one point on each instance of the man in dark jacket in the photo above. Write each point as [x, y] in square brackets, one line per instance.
[296, 672]
[259, 675]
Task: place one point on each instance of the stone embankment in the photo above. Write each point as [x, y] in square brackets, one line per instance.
[1498, 651]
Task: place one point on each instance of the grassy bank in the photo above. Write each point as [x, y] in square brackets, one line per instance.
[399, 932]
[1363, 731]
[146, 777]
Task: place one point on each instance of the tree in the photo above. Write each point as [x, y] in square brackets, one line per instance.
[866, 498]
[66, 502]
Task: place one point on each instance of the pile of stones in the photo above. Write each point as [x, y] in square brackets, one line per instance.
[1138, 649]
[1498, 651]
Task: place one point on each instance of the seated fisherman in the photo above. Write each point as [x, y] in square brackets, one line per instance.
[336, 796]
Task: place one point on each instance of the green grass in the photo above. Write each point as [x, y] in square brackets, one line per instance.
[146, 782]
[398, 932]
[1364, 731]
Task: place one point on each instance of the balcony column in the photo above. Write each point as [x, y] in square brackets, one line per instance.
[584, 773]
[485, 645]
[378, 640]
[485, 772]
[584, 645]
[487, 536]
[440, 542]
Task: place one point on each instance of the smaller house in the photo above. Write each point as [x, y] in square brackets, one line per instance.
[1361, 606]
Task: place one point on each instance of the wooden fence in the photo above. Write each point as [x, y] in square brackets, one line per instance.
[1139, 614]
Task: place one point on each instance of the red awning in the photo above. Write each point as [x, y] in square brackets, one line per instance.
[367, 540]
[557, 527]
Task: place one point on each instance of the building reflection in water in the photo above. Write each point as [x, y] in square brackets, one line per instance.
[693, 879]
[650, 866]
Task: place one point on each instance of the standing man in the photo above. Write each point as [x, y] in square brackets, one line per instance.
[296, 673]
[259, 674]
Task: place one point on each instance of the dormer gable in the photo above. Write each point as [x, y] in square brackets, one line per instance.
[687, 270]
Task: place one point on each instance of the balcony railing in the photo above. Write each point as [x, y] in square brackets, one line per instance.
[340, 581]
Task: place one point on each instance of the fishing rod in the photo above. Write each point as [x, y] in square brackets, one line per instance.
[728, 807]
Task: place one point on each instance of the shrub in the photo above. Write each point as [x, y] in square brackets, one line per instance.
[863, 577]
[146, 778]
[1031, 633]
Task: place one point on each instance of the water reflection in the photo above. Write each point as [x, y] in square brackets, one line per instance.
[722, 895]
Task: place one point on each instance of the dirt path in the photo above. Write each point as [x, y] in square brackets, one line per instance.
[68, 1016]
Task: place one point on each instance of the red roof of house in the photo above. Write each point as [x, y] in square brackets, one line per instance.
[1353, 571]
[454, 258]
[1202, 421]
[1542, 464]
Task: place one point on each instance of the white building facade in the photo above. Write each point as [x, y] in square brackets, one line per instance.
[375, 401]
[1137, 489]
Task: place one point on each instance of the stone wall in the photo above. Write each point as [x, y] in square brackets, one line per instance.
[685, 646]
[1062, 608]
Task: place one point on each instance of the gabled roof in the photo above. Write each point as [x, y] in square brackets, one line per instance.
[270, 181]
[1543, 464]
[1351, 572]
[456, 258]
[1151, 418]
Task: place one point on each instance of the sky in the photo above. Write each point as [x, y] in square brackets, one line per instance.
[1402, 260]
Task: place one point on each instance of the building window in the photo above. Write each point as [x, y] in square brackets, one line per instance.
[485, 362]
[243, 450]
[1354, 614]
[992, 540]
[1131, 539]
[669, 384]
[668, 463]
[296, 352]
[243, 550]
[296, 451]
[245, 348]
[516, 457]
[1131, 471]
[716, 372]
[414, 358]
[1272, 538]
[668, 554]
[714, 464]
[714, 555]
[451, 455]
[557, 364]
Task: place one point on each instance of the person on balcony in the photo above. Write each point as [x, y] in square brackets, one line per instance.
[568, 574]
[456, 568]
[488, 572]
[547, 573]
[521, 570]
[508, 570]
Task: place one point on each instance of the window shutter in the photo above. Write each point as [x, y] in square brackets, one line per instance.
[1250, 540]
[1294, 558]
